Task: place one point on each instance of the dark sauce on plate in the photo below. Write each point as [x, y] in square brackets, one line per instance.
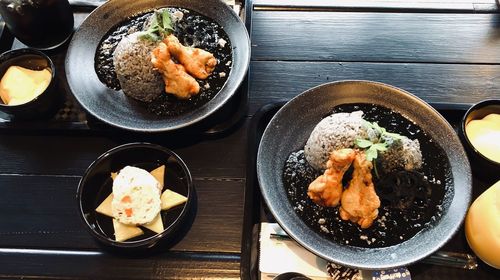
[193, 30]
[410, 200]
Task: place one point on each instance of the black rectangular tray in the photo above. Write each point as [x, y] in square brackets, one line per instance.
[256, 212]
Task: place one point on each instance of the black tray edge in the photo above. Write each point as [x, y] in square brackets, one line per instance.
[250, 235]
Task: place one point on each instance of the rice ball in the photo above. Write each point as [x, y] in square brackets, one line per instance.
[134, 70]
[402, 154]
[337, 131]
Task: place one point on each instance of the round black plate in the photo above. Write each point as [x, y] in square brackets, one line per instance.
[114, 107]
[290, 128]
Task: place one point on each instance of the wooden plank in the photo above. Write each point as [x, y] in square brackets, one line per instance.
[462, 6]
[465, 84]
[72, 154]
[219, 217]
[40, 212]
[313, 3]
[363, 6]
[376, 37]
[26, 264]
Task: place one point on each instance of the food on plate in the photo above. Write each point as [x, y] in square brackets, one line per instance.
[136, 196]
[327, 189]
[367, 177]
[335, 132]
[482, 226]
[136, 201]
[172, 59]
[132, 63]
[105, 206]
[20, 85]
[154, 50]
[171, 199]
[197, 62]
[177, 81]
[360, 202]
[158, 173]
[124, 232]
[341, 130]
[403, 154]
[484, 135]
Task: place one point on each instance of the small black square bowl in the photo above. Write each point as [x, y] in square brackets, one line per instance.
[480, 164]
[96, 185]
[40, 106]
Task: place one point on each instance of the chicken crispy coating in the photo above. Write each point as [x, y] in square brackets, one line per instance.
[360, 203]
[197, 62]
[326, 190]
[177, 81]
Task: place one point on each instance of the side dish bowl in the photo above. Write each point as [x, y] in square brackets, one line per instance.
[96, 185]
[290, 128]
[34, 60]
[482, 164]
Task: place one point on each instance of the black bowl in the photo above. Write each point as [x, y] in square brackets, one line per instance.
[289, 130]
[96, 185]
[129, 114]
[34, 60]
[481, 165]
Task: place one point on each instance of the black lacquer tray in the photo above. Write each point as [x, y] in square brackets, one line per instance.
[256, 211]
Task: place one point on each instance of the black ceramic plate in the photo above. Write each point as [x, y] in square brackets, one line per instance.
[96, 185]
[123, 112]
[288, 131]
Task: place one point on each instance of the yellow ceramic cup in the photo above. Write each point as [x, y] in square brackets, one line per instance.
[482, 226]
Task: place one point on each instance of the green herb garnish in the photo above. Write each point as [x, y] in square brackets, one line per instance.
[381, 144]
[160, 27]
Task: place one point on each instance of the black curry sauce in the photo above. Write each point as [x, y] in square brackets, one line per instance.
[193, 30]
[410, 201]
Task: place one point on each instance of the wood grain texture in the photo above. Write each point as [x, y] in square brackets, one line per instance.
[41, 212]
[95, 265]
[72, 154]
[376, 37]
[378, 5]
[380, 2]
[465, 84]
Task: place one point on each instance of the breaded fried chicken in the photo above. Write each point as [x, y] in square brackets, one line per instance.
[360, 203]
[177, 81]
[197, 62]
[326, 190]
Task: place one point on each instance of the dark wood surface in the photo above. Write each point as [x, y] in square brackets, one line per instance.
[376, 37]
[446, 57]
[461, 6]
[457, 83]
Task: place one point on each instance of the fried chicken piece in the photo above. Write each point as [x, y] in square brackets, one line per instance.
[360, 203]
[177, 81]
[326, 190]
[197, 62]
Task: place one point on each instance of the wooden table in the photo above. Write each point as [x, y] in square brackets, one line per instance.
[448, 55]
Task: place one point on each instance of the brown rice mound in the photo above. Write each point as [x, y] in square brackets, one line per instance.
[132, 61]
